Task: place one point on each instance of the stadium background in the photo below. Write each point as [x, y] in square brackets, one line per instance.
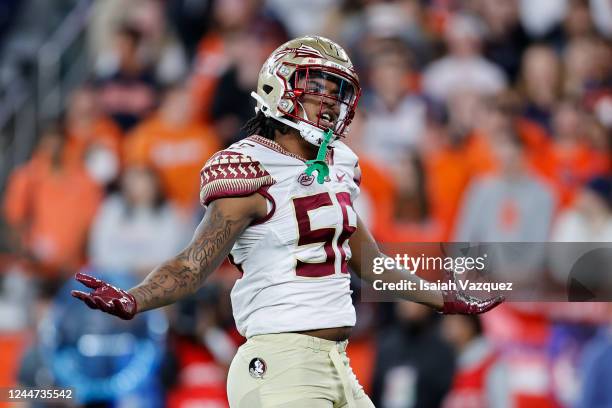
[480, 120]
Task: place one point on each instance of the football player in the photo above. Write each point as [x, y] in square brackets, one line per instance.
[279, 204]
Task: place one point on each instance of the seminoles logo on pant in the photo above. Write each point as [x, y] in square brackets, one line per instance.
[257, 367]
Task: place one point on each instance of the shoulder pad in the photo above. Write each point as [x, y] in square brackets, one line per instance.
[232, 174]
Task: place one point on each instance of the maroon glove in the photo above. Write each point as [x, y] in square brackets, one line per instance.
[458, 302]
[105, 297]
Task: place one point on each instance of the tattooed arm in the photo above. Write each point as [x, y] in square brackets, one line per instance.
[183, 275]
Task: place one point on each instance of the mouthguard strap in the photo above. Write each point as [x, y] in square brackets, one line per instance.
[319, 164]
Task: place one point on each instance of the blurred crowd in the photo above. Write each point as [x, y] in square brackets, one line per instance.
[480, 120]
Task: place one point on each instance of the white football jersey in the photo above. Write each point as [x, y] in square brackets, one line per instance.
[294, 261]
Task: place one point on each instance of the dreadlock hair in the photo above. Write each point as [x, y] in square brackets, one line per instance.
[264, 126]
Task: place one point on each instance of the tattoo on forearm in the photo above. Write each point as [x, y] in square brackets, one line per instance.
[185, 273]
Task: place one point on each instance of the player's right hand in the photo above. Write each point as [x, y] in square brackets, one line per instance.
[106, 297]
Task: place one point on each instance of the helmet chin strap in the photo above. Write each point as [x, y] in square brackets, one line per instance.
[310, 133]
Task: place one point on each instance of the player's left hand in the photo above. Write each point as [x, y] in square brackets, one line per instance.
[106, 297]
[459, 302]
[456, 302]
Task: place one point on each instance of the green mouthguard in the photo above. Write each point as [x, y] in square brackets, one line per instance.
[319, 164]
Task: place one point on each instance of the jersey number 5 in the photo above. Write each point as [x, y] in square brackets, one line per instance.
[325, 236]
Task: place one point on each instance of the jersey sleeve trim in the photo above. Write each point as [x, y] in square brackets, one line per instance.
[231, 174]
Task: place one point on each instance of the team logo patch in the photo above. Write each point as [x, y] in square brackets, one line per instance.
[257, 367]
[305, 180]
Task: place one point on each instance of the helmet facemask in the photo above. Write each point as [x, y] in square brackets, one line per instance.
[322, 98]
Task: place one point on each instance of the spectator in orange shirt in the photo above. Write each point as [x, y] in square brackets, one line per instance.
[408, 218]
[93, 140]
[174, 144]
[50, 204]
[573, 159]
[456, 152]
[215, 54]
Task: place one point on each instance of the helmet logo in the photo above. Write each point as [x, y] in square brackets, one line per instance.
[331, 49]
[303, 51]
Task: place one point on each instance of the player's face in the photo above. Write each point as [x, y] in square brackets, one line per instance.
[323, 111]
[325, 99]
